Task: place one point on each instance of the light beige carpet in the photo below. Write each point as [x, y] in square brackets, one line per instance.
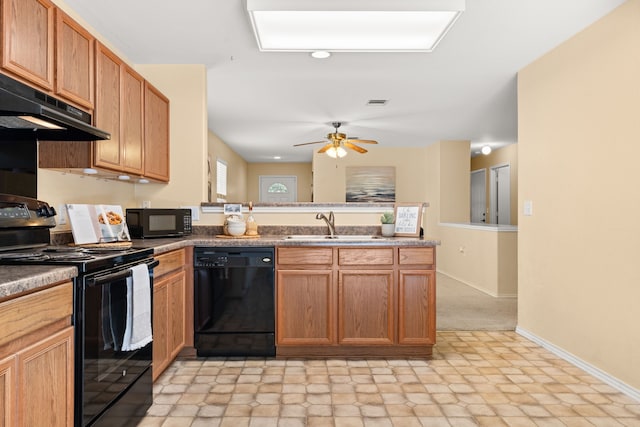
[460, 307]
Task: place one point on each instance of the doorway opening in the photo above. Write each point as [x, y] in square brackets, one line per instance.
[500, 212]
[479, 196]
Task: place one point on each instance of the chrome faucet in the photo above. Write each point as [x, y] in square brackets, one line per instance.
[330, 222]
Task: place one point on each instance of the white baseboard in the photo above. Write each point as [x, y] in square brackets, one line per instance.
[590, 369]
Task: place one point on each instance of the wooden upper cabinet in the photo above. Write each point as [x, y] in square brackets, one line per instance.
[107, 113]
[119, 111]
[74, 61]
[28, 40]
[132, 122]
[156, 134]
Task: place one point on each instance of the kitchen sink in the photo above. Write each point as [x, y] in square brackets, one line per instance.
[340, 237]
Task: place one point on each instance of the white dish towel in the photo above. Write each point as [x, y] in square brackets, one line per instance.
[137, 332]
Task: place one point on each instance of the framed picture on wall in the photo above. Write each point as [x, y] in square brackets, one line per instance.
[408, 219]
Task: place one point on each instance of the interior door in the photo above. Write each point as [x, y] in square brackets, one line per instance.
[478, 196]
[501, 194]
[276, 188]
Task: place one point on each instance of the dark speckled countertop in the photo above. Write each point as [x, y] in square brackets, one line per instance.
[16, 280]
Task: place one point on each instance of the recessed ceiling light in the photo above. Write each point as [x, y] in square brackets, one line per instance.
[352, 25]
[486, 150]
[276, 157]
[320, 54]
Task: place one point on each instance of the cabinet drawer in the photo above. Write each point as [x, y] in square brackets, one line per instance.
[169, 261]
[416, 256]
[360, 257]
[305, 256]
[24, 315]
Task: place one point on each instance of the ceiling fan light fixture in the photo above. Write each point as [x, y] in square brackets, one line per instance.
[335, 153]
[352, 25]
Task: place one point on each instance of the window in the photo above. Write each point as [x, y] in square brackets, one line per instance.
[278, 187]
[221, 180]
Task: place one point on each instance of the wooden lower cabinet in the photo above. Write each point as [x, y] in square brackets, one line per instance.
[170, 312]
[305, 308]
[416, 307]
[355, 301]
[7, 390]
[45, 382]
[36, 359]
[365, 307]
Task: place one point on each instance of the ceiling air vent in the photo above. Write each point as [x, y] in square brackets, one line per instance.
[377, 102]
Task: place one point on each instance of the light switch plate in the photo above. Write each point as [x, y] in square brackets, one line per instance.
[62, 214]
[528, 208]
[195, 212]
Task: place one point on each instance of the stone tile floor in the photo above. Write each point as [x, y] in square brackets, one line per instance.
[473, 379]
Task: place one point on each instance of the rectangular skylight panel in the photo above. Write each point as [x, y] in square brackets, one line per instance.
[352, 25]
[351, 31]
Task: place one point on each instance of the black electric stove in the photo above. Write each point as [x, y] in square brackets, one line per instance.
[113, 384]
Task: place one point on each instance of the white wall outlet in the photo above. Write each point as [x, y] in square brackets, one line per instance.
[195, 212]
[62, 214]
[146, 203]
[528, 208]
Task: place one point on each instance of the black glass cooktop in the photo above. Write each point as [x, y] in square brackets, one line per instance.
[85, 259]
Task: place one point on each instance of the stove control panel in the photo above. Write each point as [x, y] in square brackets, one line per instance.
[23, 213]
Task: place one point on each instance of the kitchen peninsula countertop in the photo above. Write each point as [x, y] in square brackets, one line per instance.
[16, 280]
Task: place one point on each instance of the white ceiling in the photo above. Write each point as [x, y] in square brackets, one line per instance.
[261, 103]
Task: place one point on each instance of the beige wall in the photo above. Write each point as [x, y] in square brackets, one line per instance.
[237, 169]
[578, 112]
[186, 88]
[482, 258]
[302, 171]
[504, 156]
[455, 183]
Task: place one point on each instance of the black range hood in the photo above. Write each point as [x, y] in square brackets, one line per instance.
[27, 113]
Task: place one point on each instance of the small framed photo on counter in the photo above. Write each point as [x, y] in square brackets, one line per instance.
[408, 219]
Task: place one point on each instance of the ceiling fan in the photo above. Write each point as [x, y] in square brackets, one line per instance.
[337, 141]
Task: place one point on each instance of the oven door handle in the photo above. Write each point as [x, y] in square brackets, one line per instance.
[101, 280]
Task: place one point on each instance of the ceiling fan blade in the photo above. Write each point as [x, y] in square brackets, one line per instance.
[361, 141]
[325, 148]
[309, 143]
[354, 147]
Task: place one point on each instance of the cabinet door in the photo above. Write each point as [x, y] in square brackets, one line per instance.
[177, 313]
[416, 307]
[160, 327]
[156, 134]
[107, 113]
[45, 382]
[7, 391]
[305, 307]
[365, 307]
[74, 61]
[27, 40]
[132, 138]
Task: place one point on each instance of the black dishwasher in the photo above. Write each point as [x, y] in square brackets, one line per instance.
[234, 297]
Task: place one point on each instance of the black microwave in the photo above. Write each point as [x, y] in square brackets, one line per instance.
[153, 222]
